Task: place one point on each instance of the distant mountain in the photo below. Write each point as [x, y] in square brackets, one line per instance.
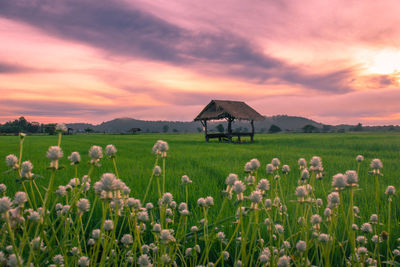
[125, 125]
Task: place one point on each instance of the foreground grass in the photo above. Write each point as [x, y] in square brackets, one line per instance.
[208, 164]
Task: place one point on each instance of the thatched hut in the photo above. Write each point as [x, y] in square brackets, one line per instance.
[230, 111]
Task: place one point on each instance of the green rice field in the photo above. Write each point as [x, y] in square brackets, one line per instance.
[208, 165]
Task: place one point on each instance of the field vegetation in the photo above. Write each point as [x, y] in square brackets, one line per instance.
[123, 200]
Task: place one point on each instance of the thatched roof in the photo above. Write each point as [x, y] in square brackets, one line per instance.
[219, 109]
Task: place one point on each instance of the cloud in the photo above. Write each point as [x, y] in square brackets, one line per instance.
[125, 30]
[6, 68]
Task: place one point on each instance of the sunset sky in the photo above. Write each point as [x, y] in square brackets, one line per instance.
[95, 60]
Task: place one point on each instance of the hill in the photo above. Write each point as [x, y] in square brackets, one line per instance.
[125, 125]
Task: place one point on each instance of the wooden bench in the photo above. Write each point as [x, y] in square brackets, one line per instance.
[228, 137]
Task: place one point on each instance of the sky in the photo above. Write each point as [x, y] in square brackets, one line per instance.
[92, 61]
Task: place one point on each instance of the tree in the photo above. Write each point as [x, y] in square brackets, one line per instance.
[274, 129]
[220, 128]
[326, 128]
[358, 127]
[50, 128]
[175, 130]
[89, 130]
[310, 129]
[165, 128]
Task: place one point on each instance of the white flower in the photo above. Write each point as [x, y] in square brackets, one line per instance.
[83, 261]
[285, 169]
[3, 188]
[362, 251]
[5, 204]
[143, 216]
[201, 202]
[107, 181]
[315, 162]
[13, 260]
[302, 163]
[96, 234]
[167, 198]
[305, 175]
[20, 198]
[275, 162]
[221, 236]
[351, 177]
[75, 158]
[225, 255]
[327, 212]
[269, 168]
[74, 182]
[26, 168]
[301, 192]
[301, 246]
[263, 185]
[54, 153]
[186, 180]
[157, 171]
[248, 167]
[396, 252]
[108, 225]
[126, 239]
[366, 228]
[209, 201]
[144, 261]
[61, 127]
[315, 219]
[165, 236]
[390, 190]
[360, 158]
[339, 181]
[83, 205]
[231, 179]
[111, 150]
[284, 261]
[374, 219]
[160, 147]
[376, 164]
[34, 216]
[95, 153]
[61, 191]
[58, 259]
[255, 164]
[279, 229]
[255, 196]
[361, 240]
[12, 161]
[323, 238]
[157, 228]
[239, 187]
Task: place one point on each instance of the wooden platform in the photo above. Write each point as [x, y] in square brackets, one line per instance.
[229, 137]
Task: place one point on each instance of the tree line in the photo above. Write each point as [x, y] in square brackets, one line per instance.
[22, 125]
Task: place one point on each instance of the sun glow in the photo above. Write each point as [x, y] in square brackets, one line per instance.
[384, 62]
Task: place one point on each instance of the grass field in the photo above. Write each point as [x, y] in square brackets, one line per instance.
[208, 164]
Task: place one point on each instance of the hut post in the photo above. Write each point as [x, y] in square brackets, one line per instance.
[252, 130]
[204, 122]
[230, 128]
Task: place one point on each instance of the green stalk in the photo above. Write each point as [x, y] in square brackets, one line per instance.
[377, 196]
[115, 166]
[163, 171]
[12, 237]
[151, 178]
[229, 242]
[59, 139]
[388, 237]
